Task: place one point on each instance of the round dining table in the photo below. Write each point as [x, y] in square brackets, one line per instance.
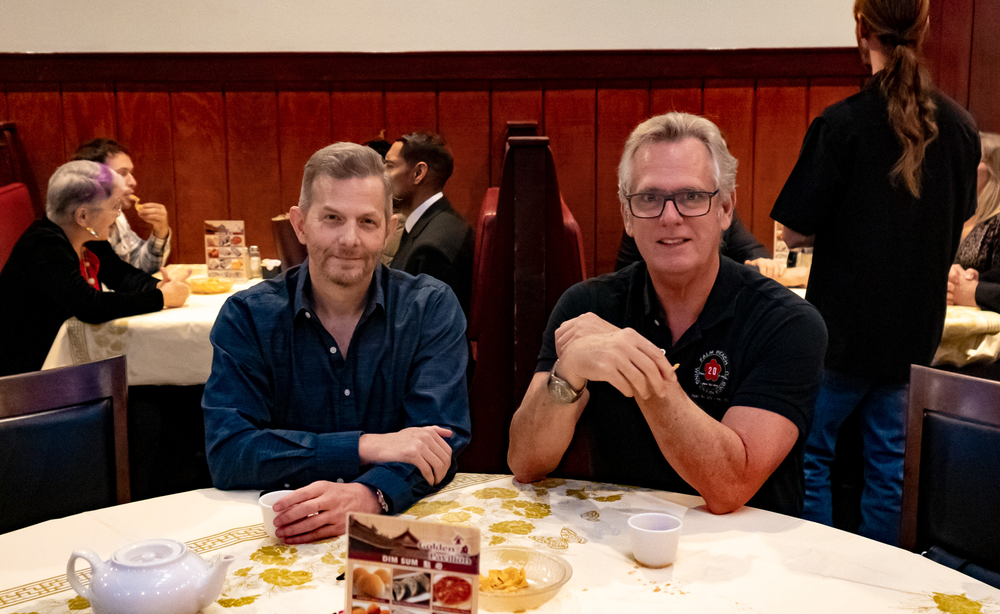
[747, 561]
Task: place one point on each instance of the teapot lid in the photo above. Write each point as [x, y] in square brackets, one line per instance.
[150, 553]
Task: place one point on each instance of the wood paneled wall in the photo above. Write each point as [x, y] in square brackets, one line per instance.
[226, 136]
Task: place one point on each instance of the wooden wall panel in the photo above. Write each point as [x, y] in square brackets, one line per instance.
[464, 122]
[950, 45]
[202, 186]
[88, 113]
[825, 92]
[3, 104]
[620, 109]
[730, 104]
[357, 116]
[253, 160]
[520, 101]
[984, 72]
[304, 127]
[410, 111]
[684, 95]
[144, 128]
[570, 123]
[782, 112]
[37, 110]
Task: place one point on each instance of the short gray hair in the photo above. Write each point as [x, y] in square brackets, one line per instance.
[672, 128]
[344, 161]
[75, 184]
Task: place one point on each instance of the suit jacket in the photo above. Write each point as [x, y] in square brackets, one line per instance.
[441, 245]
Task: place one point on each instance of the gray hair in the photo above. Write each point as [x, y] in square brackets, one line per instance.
[344, 161]
[673, 128]
[75, 184]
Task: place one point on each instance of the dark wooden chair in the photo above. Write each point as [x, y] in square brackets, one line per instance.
[63, 442]
[17, 215]
[290, 251]
[951, 493]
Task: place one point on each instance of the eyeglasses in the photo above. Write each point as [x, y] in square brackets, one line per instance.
[689, 203]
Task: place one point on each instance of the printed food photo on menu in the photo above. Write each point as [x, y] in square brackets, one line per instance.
[411, 587]
[452, 591]
[372, 582]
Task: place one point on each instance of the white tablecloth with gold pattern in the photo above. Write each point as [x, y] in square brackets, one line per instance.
[164, 348]
[747, 561]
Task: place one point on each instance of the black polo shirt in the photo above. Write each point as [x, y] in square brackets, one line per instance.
[755, 344]
[881, 258]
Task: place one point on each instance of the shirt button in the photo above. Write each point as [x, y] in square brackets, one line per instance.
[333, 350]
[347, 392]
[340, 480]
[657, 322]
[288, 485]
[309, 315]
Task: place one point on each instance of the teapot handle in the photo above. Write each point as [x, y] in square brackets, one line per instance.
[74, 580]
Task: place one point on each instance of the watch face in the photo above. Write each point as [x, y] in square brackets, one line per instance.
[561, 391]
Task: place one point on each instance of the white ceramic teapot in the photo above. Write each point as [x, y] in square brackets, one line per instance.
[156, 576]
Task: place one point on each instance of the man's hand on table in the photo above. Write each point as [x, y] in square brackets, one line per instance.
[962, 284]
[175, 290]
[319, 511]
[423, 447]
[590, 348]
[155, 215]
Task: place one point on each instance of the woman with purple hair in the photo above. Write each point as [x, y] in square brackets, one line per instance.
[58, 266]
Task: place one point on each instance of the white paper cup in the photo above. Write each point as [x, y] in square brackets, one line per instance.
[266, 502]
[654, 538]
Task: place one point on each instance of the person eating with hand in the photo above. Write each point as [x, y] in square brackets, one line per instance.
[148, 255]
[342, 379]
[59, 266]
[684, 371]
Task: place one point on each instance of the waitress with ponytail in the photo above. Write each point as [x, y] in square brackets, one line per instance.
[57, 268]
[883, 184]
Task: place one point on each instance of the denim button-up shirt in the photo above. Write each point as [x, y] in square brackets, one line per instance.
[285, 406]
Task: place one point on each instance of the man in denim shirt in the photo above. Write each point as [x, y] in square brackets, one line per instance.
[342, 379]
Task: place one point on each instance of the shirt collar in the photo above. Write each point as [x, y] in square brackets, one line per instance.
[719, 306]
[303, 297]
[411, 220]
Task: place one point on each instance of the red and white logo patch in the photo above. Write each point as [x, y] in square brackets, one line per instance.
[712, 373]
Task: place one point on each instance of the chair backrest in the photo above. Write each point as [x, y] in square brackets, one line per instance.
[290, 251]
[15, 168]
[528, 252]
[63, 442]
[17, 215]
[951, 493]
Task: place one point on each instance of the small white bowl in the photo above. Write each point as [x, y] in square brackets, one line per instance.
[546, 574]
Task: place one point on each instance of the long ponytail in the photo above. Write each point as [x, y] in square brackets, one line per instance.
[899, 26]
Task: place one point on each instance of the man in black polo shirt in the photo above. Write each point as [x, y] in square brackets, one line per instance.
[730, 421]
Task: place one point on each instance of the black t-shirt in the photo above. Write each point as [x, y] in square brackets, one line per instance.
[754, 344]
[880, 265]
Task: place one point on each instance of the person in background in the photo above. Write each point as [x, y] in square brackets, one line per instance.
[974, 279]
[437, 239]
[738, 244]
[884, 181]
[342, 378]
[59, 264]
[382, 146]
[685, 371]
[148, 255]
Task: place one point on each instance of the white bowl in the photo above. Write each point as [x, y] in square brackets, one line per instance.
[546, 574]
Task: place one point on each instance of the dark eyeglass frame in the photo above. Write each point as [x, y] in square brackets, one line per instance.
[669, 198]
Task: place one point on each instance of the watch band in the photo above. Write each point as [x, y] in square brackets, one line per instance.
[381, 500]
[561, 390]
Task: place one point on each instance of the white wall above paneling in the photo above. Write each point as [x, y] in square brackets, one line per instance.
[47, 26]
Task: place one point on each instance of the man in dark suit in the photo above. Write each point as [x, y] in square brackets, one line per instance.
[437, 240]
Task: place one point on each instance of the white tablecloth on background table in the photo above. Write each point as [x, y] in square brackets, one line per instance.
[168, 347]
[747, 561]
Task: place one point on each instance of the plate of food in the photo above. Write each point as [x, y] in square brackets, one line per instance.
[514, 579]
[210, 285]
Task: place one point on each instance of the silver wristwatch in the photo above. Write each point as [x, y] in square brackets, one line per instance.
[561, 390]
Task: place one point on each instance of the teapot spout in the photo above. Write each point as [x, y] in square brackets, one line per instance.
[213, 585]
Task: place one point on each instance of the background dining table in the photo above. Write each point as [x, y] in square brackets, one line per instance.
[747, 561]
[165, 348]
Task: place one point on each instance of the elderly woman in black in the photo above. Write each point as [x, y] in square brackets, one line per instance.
[57, 268]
